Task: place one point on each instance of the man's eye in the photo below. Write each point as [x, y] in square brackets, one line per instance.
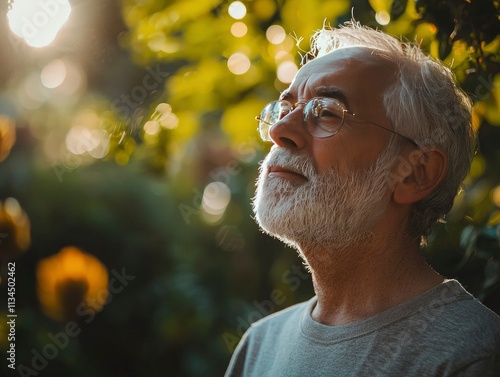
[325, 112]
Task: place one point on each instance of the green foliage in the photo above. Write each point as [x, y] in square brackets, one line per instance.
[474, 22]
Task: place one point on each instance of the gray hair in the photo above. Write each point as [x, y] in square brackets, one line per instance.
[425, 104]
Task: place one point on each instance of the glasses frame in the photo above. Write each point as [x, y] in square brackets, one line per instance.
[345, 113]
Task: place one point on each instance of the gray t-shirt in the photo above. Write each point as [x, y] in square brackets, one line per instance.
[443, 332]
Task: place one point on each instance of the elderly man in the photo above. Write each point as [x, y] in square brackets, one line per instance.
[371, 142]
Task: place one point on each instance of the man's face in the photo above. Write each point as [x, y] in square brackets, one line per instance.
[329, 191]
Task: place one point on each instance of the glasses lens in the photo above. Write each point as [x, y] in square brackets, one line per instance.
[324, 116]
[264, 130]
[272, 113]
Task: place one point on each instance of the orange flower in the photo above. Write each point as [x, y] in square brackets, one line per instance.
[14, 230]
[71, 281]
[7, 136]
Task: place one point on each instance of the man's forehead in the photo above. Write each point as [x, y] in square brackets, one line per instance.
[356, 59]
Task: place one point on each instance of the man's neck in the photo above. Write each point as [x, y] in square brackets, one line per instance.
[358, 283]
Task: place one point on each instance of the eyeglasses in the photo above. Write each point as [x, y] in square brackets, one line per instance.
[323, 117]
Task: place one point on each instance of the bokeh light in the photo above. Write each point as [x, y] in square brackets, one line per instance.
[216, 198]
[166, 118]
[81, 139]
[38, 22]
[238, 63]
[287, 71]
[239, 29]
[59, 81]
[162, 116]
[275, 34]
[75, 79]
[151, 127]
[237, 10]
[383, 17]
[53, 74]
[102, 147]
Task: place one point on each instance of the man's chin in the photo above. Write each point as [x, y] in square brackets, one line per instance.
[276, 232]
[299, 235]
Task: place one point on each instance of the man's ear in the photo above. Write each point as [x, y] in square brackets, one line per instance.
[418, 174]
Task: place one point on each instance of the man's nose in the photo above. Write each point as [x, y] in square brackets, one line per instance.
[290, 132]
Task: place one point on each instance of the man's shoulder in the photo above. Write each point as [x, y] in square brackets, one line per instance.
[470, 319]
[284, 314]
[463, 321]
[277, 321]
[463, 309]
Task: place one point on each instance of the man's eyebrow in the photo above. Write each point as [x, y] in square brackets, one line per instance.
[321, 91]
[332, 92]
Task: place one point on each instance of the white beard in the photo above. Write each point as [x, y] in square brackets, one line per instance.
[331, 210]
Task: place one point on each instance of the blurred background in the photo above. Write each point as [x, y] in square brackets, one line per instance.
[128, 155]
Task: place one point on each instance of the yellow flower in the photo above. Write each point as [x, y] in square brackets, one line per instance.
[71, 282]
[14, 230]
[7, 136]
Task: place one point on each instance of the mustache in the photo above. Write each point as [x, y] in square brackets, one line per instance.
[299, 163]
